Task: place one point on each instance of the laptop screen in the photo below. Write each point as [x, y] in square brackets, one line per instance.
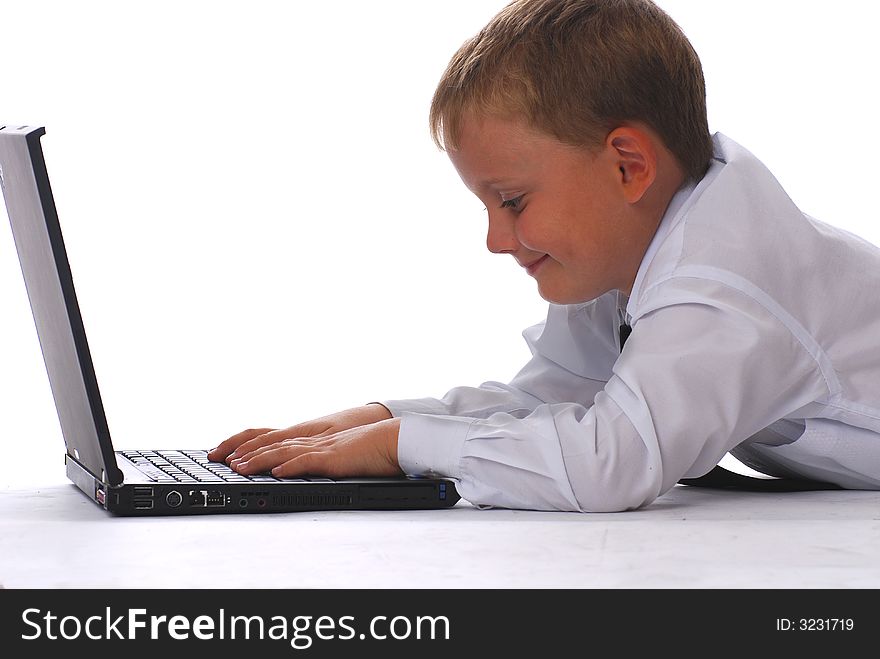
[43, 258]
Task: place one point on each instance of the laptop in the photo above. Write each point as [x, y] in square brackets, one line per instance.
[147, 482]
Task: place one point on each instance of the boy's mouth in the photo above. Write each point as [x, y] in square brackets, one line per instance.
[533, 267]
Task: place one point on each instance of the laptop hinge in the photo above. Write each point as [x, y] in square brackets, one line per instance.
[85, 480]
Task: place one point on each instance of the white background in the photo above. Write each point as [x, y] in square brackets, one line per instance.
[262, 231]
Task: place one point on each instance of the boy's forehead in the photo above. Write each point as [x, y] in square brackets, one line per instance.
[493, 150]
[498, 130]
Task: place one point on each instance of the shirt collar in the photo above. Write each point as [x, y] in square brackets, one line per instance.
[670, 219]
[678, 206]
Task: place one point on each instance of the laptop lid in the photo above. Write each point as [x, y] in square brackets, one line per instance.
[43, 258]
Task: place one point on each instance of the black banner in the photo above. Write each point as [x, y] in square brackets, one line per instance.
[399, 622]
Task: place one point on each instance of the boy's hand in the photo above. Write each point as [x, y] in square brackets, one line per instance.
[358, 442]
[361, 451]
[250, 440]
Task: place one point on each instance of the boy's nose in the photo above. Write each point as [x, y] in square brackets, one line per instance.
[501, 237]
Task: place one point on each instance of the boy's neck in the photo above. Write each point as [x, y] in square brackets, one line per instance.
[650, 212]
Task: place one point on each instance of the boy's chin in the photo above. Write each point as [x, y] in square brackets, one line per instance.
[555, 298]
[563, 296]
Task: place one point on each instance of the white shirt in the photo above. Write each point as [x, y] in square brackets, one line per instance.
[756, 330]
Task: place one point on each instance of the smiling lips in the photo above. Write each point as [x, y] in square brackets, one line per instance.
[532, 267]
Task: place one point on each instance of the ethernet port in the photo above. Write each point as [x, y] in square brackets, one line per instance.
[206, 499]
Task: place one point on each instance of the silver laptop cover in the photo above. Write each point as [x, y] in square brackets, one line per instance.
[36, 231]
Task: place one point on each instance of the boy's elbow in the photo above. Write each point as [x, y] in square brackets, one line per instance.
[610, 486]
[615, 502]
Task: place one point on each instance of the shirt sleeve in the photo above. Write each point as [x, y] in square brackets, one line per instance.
[705, 368]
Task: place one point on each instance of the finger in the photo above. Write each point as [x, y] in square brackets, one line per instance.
[271, 457]
[270, 436]
[304, 464]
[228, 446]
[243, 456]
[260, 441]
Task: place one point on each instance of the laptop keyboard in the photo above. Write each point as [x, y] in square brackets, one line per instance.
[194, 467]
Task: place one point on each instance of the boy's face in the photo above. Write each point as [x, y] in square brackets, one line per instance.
[559, 210]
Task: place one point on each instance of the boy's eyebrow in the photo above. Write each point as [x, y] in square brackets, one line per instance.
[493, 182]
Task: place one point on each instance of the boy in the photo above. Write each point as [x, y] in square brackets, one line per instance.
[749, 327]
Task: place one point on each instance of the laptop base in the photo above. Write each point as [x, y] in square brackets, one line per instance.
[293, 495]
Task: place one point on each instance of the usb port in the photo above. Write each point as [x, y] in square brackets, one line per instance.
[144, 504]
[143, 491]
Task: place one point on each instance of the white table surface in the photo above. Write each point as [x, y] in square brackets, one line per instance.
[51, 536]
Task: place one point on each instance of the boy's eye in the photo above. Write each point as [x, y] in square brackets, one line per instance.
[512, 203]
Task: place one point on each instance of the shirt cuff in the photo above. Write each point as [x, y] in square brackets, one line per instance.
[430, 445]
[417, 405]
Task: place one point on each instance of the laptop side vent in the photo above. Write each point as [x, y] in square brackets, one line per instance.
[309, 500]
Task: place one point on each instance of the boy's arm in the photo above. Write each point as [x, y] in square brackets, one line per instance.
[363, 441]
[707, 368]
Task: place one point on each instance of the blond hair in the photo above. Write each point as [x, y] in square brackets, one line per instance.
[577, 69]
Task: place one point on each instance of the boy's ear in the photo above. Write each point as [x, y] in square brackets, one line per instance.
[636, 158]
